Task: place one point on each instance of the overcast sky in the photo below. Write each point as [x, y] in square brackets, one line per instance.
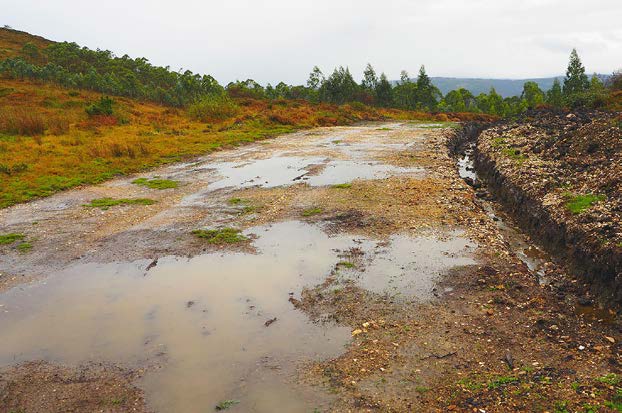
[273, 40]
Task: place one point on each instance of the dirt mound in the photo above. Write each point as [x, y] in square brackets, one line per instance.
[562, 174]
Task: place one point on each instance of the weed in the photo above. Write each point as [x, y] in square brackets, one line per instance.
[501, 381]
[311, 211]
[470, 384]
[561, 407]
[10, 238]
[221, 236]
[342, 186]
[236, 201]
[579, 203]
[156, 183]
[225, 404]
[422, 389]
[610, 379]
[345, 264]
[24, 247]
[515, 155]
[105, 203]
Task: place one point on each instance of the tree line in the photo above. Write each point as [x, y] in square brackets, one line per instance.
[72, 66]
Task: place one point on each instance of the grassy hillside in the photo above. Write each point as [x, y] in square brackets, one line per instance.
[53, 138]
[13, 41]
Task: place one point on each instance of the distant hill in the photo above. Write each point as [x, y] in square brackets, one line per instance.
[504, 87]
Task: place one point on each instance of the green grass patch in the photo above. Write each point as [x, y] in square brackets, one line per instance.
[514, 154]
[226, 404]
[10, 238]
[384, 129]
[345, 264]
[245, 203]
[579, 203]
[24, 247]
[610, 379]
[156, 183]
[105, 203]
[501, 381]
[498, 142]
[220, 236]
[342, 186]
[311, 211]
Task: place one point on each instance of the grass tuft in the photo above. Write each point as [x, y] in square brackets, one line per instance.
[579, 203]
[105, 203]
[24, 247]
[221, 236]
[10, 238]
[342, 186]
[225, 404]
[311, 211]
[156, 183]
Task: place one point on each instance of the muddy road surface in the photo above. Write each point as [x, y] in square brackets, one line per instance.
[338, 269]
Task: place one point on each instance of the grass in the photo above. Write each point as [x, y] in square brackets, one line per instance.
[514, 154]
[24, 247]
[245, 203]
[10, 238]
[312, 211]
[105, 203]
[345, 264]
[226, 404]
[342, 186]
[220, 236]
[501, 381]
[576, 204]
[610, 379]
[156, 183]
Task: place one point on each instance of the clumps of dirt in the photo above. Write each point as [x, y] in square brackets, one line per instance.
[39, 387]
[561, 173]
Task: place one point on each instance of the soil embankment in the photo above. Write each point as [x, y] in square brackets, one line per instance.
[560, 176]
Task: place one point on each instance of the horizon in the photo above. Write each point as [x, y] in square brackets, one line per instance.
[351, 36]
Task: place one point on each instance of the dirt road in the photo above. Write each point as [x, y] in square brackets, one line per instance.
[366, 276]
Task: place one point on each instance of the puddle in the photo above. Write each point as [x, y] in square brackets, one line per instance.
[202, 319]
[288, 170]
[410, 267]
[529, 254]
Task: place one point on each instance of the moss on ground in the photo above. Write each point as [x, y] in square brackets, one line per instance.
[156, 183]
[579, 203]
[105, 203]
[221, 236]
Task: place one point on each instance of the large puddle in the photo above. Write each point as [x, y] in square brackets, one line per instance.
[205, 323]
[288, 170]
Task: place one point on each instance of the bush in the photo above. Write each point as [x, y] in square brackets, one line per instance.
[21, 122]
[213, 107]
[102, 107]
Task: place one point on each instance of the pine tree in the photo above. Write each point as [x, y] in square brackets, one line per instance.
[554, 96]
[426, 92]
[576, 80]
[384, 91]
[370, 80]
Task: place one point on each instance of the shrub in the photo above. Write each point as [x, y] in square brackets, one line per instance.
[101, 107]
[213, 108]
[21, 122]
